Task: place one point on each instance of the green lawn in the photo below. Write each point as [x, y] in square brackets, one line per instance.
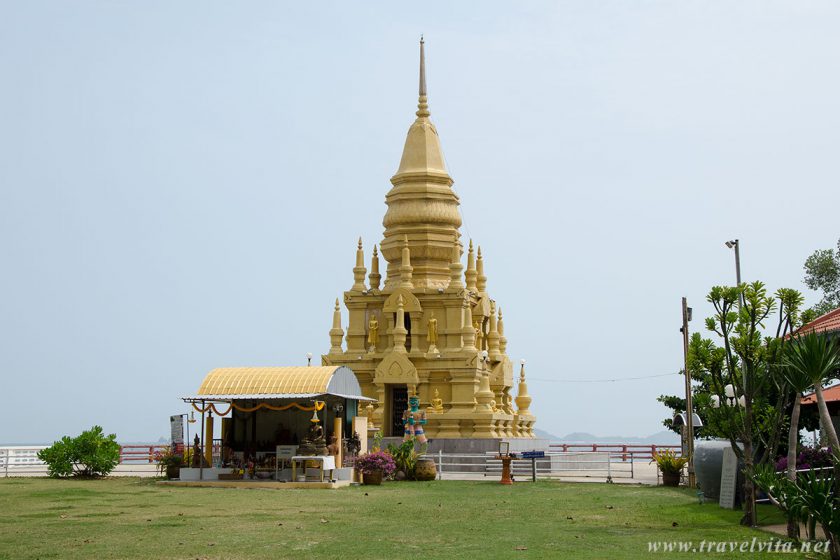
[137, 518]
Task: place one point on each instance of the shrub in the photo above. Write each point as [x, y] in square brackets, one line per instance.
[376, 461]
[808, 458]
[169, 457]
[90, 454]
[668, 462]
[405, 458]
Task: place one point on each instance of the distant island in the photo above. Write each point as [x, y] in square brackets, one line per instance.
[664, 437]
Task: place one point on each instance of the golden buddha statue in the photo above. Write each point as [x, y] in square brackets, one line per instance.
[437, 404]
[432, 335]
[373, 333]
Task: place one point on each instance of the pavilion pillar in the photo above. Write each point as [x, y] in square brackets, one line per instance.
[338, 425]
[208, 439]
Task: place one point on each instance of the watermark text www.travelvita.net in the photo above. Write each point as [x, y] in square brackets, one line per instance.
[747, 547]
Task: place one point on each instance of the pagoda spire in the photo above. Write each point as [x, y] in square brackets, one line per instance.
[501, 327]
[456, 269]
[421, 203]
[374, 275]
[471, 272]
[467, 329]
[422, 101]
[523, 399]
[400, 333]
[336, 332]
[359, 270]
[406, 268]
[493, 336]
[481, 279]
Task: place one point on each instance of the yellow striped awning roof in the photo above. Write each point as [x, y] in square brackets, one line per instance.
[279, 382]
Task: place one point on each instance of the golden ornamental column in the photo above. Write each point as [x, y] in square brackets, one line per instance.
[471, 272]
[359, 270]
[481, 279]
[374, 277]
[399, 329]
[336, 332]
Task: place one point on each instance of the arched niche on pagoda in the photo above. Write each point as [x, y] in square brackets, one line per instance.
[396, 368]
[410, 302]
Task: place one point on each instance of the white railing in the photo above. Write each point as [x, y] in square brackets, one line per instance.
[554, 465]
[18, 460]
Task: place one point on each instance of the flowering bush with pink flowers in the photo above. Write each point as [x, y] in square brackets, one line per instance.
[376, 461]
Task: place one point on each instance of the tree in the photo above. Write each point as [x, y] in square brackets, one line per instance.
[800, 380]
[822, 273]
[815, 357]
[89, 454]
[749, 362]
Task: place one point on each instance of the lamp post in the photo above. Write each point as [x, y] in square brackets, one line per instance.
[309, 359]
[689, 408]
[735, 244]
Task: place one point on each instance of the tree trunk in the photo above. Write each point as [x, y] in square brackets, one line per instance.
[825, 419]
[749, 518]
[793, 441]
[834, 544]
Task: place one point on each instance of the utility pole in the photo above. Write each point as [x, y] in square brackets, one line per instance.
[689, 408]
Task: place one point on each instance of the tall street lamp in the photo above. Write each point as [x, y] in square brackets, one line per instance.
[689, 408]
[734, 244]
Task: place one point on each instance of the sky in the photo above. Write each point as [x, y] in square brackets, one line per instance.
[182, 185]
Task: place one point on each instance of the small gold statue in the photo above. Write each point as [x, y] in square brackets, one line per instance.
[432, 335]
[373, 333]
[479, 335]
[437, 404]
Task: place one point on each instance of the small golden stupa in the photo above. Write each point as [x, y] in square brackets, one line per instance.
[430, 328]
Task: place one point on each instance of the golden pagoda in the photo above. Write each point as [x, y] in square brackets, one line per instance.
[431, 328]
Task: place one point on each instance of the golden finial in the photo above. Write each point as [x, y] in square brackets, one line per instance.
[455, 267]
[374, 275]
[471, 273]
[422, 105]
[481, 283]
[406, 268]
[336, 332]
[359, 270]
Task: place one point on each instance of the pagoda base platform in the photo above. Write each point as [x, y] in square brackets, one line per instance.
[462, 446]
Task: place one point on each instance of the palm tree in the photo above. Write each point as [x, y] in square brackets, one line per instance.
[816, 358]
[800, 382]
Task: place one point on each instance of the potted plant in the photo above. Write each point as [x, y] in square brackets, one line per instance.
[374, 466]
[169, 462]
[405, 459]
[670, 465]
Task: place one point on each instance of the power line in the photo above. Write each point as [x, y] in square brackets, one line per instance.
[601, 380]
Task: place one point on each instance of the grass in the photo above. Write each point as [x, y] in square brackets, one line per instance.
[136, 518]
